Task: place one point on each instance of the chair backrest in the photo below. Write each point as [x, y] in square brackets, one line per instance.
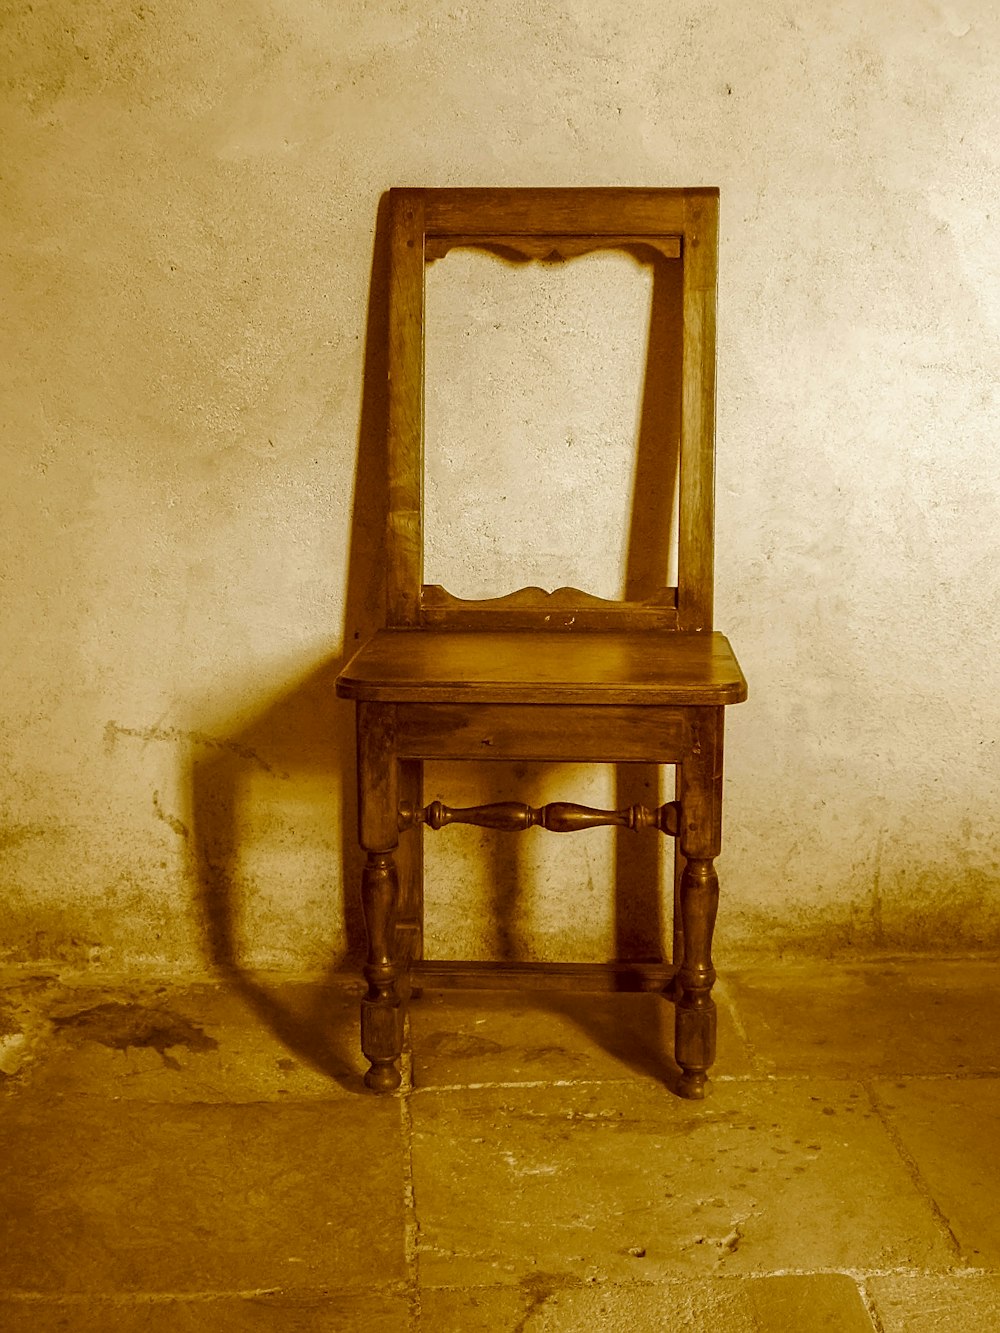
[680, 225]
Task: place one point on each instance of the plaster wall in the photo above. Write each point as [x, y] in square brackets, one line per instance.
[190, 194]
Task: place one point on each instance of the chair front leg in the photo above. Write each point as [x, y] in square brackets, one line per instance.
[383, 1008]
[700, 842]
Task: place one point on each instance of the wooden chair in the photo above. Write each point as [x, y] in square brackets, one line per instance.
[560, 676]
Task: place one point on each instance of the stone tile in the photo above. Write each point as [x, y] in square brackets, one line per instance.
[937, 1303]
[326, 1313]
[205, 1043]
[951, 1129]
[133, 1196]
[915, 1017]
[623, 1182]
[539, 1304]
[461, 1037]
[23, 1028]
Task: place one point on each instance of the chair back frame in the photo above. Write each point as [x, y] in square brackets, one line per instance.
[423, 225]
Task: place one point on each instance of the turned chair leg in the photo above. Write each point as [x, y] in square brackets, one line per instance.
[701, 828]
[695, 1012]
[382, 1009]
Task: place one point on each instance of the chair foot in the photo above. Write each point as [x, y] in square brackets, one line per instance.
[694, 1044]
[693, 1085]
[382, 1042]
[383, 1077]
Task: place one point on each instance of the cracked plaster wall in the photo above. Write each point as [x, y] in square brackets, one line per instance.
[189, 199]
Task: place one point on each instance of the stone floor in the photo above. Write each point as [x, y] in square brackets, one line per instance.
[204, 1157]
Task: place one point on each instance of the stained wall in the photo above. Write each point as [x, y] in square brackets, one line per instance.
[191, 411]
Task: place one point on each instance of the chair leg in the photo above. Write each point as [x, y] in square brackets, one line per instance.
[677, 940]
[383, 1009]
[695, 1013]
[701, 829]
[410, 862]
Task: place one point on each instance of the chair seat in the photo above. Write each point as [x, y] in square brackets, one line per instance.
[524, 667]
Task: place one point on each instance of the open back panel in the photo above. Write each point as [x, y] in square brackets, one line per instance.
[679, 225]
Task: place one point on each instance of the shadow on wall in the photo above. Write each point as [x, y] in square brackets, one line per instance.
[308, 731]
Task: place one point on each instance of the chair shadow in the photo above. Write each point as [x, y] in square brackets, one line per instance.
[304, 731]
[638, 1038]
[302, 734]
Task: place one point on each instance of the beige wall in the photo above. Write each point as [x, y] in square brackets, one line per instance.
[189, 196]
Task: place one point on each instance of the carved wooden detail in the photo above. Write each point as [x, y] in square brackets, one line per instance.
[553, 249]
[557, 599]
[532, 608]
[557, 817]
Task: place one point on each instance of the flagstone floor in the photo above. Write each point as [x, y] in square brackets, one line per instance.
[204, 1156]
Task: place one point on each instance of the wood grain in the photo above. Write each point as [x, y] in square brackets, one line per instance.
[442, 666]
[555, 817]
[594, 978]
[696, 537]
[594, 212]
[535, 608]
[405, 425]
[544, 732]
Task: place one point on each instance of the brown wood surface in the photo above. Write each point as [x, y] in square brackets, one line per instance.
[425, 223]
[700, 842]
[405, 424]
[475, 974]
[546, 667]
[695, 554]
[553, 732]
[538, 609]
[410, 863]
[555, 817]
[378, 777]
[595, 212]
